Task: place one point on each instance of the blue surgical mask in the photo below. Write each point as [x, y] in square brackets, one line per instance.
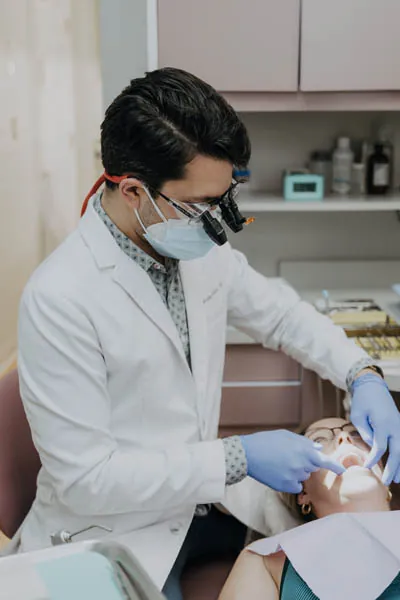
[181, 239]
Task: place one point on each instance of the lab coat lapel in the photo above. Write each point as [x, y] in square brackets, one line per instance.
[193, 286]
[132, 278]
[137, 283]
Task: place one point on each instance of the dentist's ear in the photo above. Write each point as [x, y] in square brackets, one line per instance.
[132, 191]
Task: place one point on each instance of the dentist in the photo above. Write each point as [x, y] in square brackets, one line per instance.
[122, 343]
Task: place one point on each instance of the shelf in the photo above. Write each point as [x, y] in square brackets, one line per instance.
[313, 101]
[258, 202]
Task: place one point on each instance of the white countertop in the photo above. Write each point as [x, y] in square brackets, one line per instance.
[385, 298]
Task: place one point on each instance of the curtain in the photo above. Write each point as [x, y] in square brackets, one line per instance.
[51, 108]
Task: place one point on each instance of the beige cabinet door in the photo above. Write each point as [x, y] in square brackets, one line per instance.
[235, 45]
[350, 45]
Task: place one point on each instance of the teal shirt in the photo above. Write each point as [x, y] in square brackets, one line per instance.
[293, 587]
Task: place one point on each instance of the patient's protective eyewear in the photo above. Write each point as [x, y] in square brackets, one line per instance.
[327, 435]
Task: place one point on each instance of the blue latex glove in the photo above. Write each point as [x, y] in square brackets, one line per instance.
[375, 415]
[282, 459]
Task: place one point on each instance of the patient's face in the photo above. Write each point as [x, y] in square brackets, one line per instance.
[328, 492]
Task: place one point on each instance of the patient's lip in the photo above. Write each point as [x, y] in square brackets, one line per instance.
[351, 460]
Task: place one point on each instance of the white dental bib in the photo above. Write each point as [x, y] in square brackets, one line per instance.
[355, 555]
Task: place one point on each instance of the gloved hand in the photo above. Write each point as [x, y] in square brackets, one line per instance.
[375, 415]
[282, 459]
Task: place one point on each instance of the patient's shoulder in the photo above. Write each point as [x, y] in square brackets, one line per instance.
[274, 563]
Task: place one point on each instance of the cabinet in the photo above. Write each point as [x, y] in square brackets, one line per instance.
[350, 46]
[235, 46]
[264, 389]
[269, 54]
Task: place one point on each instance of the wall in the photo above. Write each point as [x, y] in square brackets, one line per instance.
[312, 236]
[281, 140]
[19, 224]
[122, 44]
[49, 130]
[285, 140]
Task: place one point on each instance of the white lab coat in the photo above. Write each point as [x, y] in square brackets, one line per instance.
[125, 430]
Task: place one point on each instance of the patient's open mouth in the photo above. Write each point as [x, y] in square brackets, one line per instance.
[351, 460]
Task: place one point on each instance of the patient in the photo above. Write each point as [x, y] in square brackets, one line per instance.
[271, 577]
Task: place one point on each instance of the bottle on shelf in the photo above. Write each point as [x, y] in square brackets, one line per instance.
[378, 172]
[385, 137]
[321, 164]
[358, 179]
[365, 153]
[342, 162]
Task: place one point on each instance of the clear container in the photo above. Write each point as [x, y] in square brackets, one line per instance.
[342, 167]
[358, 179]
[321, 164]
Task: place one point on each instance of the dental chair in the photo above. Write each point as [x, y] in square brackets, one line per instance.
[19, 461]
[19, 467]
[205, 581]
[90, 570]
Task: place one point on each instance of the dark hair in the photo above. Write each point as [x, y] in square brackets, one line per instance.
[161, 121]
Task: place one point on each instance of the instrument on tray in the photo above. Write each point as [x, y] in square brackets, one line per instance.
[371, 328]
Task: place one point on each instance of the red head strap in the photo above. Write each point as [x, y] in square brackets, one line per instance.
[99, 182]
